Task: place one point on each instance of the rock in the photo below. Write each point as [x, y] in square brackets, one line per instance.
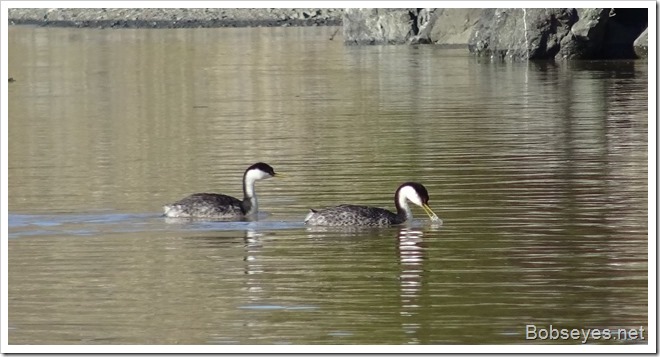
[586, 37]
[512, 34]
[453, 26]
[378, 26]
[521, 34]
[422, 25]
[641, 44]
[413, 26]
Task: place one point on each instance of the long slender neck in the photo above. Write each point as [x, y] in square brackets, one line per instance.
[403, 212]
[250, 204]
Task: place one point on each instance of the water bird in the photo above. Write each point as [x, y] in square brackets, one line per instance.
[215, 205]
[354, 215]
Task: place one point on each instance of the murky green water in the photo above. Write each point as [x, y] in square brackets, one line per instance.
[538, 170]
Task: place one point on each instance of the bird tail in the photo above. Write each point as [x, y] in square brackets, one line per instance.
[310, 214]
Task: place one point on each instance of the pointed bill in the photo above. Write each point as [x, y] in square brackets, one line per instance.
[434, 217]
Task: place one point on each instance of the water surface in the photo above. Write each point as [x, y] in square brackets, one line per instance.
[539, 172]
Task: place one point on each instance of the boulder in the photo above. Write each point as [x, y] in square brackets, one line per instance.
[423, 22]
[527, 34]
[379, 26]
[412, 26]
[586, 38]
[453, 26]
[510, 34]
[641, 44]
[521, 34]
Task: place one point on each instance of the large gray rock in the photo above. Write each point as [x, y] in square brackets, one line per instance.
[453, 26]
[423, 23]
[641, 45]
[412, 26]
[521, 34]
[379, 26]
[586, 38]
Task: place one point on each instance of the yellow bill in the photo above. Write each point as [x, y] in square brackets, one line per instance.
[434, 217]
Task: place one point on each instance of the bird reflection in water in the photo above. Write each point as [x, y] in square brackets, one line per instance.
[253, 266]
[411, 257]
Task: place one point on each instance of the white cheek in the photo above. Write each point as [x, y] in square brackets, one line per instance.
[410, 194]
[415, 199]
[254, 175]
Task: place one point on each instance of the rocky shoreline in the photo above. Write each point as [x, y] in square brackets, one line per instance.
[511, 34]
[175, 18]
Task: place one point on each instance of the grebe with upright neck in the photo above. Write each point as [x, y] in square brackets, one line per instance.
[215, 205]
[353, 215]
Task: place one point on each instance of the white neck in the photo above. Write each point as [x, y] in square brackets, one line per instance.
[405, 194]
[250, 178]
[254, 205]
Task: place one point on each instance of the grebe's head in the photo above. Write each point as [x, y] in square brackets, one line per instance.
[259, 171]
[417, 194]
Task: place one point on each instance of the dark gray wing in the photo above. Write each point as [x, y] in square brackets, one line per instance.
[205, 205]
[353, 215]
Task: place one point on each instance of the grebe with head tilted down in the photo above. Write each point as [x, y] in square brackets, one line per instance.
[215, 205]
[352, 215]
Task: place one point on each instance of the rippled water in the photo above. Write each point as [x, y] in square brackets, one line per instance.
[539, 172]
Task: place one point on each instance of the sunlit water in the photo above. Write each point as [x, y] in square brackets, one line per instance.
[539, 172]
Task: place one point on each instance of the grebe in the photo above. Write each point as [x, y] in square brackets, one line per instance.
[215, 205]
[352, 215]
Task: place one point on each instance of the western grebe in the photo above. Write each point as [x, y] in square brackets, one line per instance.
[352, 215]
[215, 205]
